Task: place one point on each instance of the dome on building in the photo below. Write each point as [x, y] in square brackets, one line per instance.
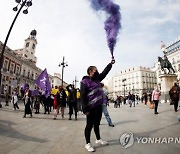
[33, 33]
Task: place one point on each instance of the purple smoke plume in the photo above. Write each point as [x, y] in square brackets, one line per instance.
[112, 24]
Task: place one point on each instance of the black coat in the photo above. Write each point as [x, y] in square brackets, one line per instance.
[61, 98]
[72, 95]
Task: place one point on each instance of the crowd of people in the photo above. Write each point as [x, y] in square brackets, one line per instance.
[91, 100]
[152, 98]
[57, 101]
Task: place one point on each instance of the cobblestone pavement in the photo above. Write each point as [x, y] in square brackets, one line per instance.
[43, 135]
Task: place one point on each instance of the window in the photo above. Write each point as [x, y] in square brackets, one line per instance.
[12, 68]
[24, 72]
[5, 64]
[32, 75]
[27, 44]
[28, 74]
[7, 78]
[4, 78]
[33, 46]
[17, 70]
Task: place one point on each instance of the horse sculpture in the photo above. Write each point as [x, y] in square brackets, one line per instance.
[165, 64]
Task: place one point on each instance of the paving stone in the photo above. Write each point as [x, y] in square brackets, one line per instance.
[43, 135]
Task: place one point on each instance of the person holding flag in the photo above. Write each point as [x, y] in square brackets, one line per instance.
[43, 82]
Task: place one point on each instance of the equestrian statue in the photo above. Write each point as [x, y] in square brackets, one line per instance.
[166, 64]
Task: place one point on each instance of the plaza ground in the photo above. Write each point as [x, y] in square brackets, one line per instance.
[43, 135]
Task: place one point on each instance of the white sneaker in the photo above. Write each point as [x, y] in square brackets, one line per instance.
[101, 142]
[89, 147]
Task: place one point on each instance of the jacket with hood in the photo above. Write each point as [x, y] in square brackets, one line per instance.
[91, 91]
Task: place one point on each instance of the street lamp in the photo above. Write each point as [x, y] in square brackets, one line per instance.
[75, 81]
[123, 80]
[63, 64]
[21, 3]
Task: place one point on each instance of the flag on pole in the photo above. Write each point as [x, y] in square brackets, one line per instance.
[43, 82]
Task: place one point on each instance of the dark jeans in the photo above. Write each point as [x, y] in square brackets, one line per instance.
[145, 102]
[72, 106]
[93, 120]
[132, 102]
[175, 104]
[79, 106]
[156, 102]
[46, 108]
[16, 106]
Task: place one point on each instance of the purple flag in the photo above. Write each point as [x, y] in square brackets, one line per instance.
[43, 82]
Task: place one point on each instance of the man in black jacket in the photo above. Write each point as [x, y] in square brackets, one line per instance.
[72, 100]
[174, 95]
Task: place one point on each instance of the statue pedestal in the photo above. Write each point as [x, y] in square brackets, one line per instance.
[166, 84]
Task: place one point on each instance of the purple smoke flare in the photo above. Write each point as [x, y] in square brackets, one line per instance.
[112, 24]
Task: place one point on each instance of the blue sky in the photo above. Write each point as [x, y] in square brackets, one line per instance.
[71, 28]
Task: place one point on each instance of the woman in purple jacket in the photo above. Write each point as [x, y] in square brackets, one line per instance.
[92, 96]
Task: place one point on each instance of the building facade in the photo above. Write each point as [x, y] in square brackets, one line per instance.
[19, 66]
[135, 80]
[56, 80]
[11, 69]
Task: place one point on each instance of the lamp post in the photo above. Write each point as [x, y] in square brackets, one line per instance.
[22, 3]
[123, 80]
[63, 64]
[75, 81]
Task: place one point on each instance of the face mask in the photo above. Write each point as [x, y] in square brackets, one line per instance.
[96, 75]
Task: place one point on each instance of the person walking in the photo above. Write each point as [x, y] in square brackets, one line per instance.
[130, 99]
[15, 99]
[72, 101]
[36, 99]
[145, 97]
[155, 98]
[174, 95]
[92, 100]
[79, 105]
[137, 99]
[27, 101]
[55, 105]
[6, 95]
[47, 104]
[133, 99]
[104, 107]
[61, 98]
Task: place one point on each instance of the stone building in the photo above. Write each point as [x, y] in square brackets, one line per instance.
[19, 66]
[137, 80]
